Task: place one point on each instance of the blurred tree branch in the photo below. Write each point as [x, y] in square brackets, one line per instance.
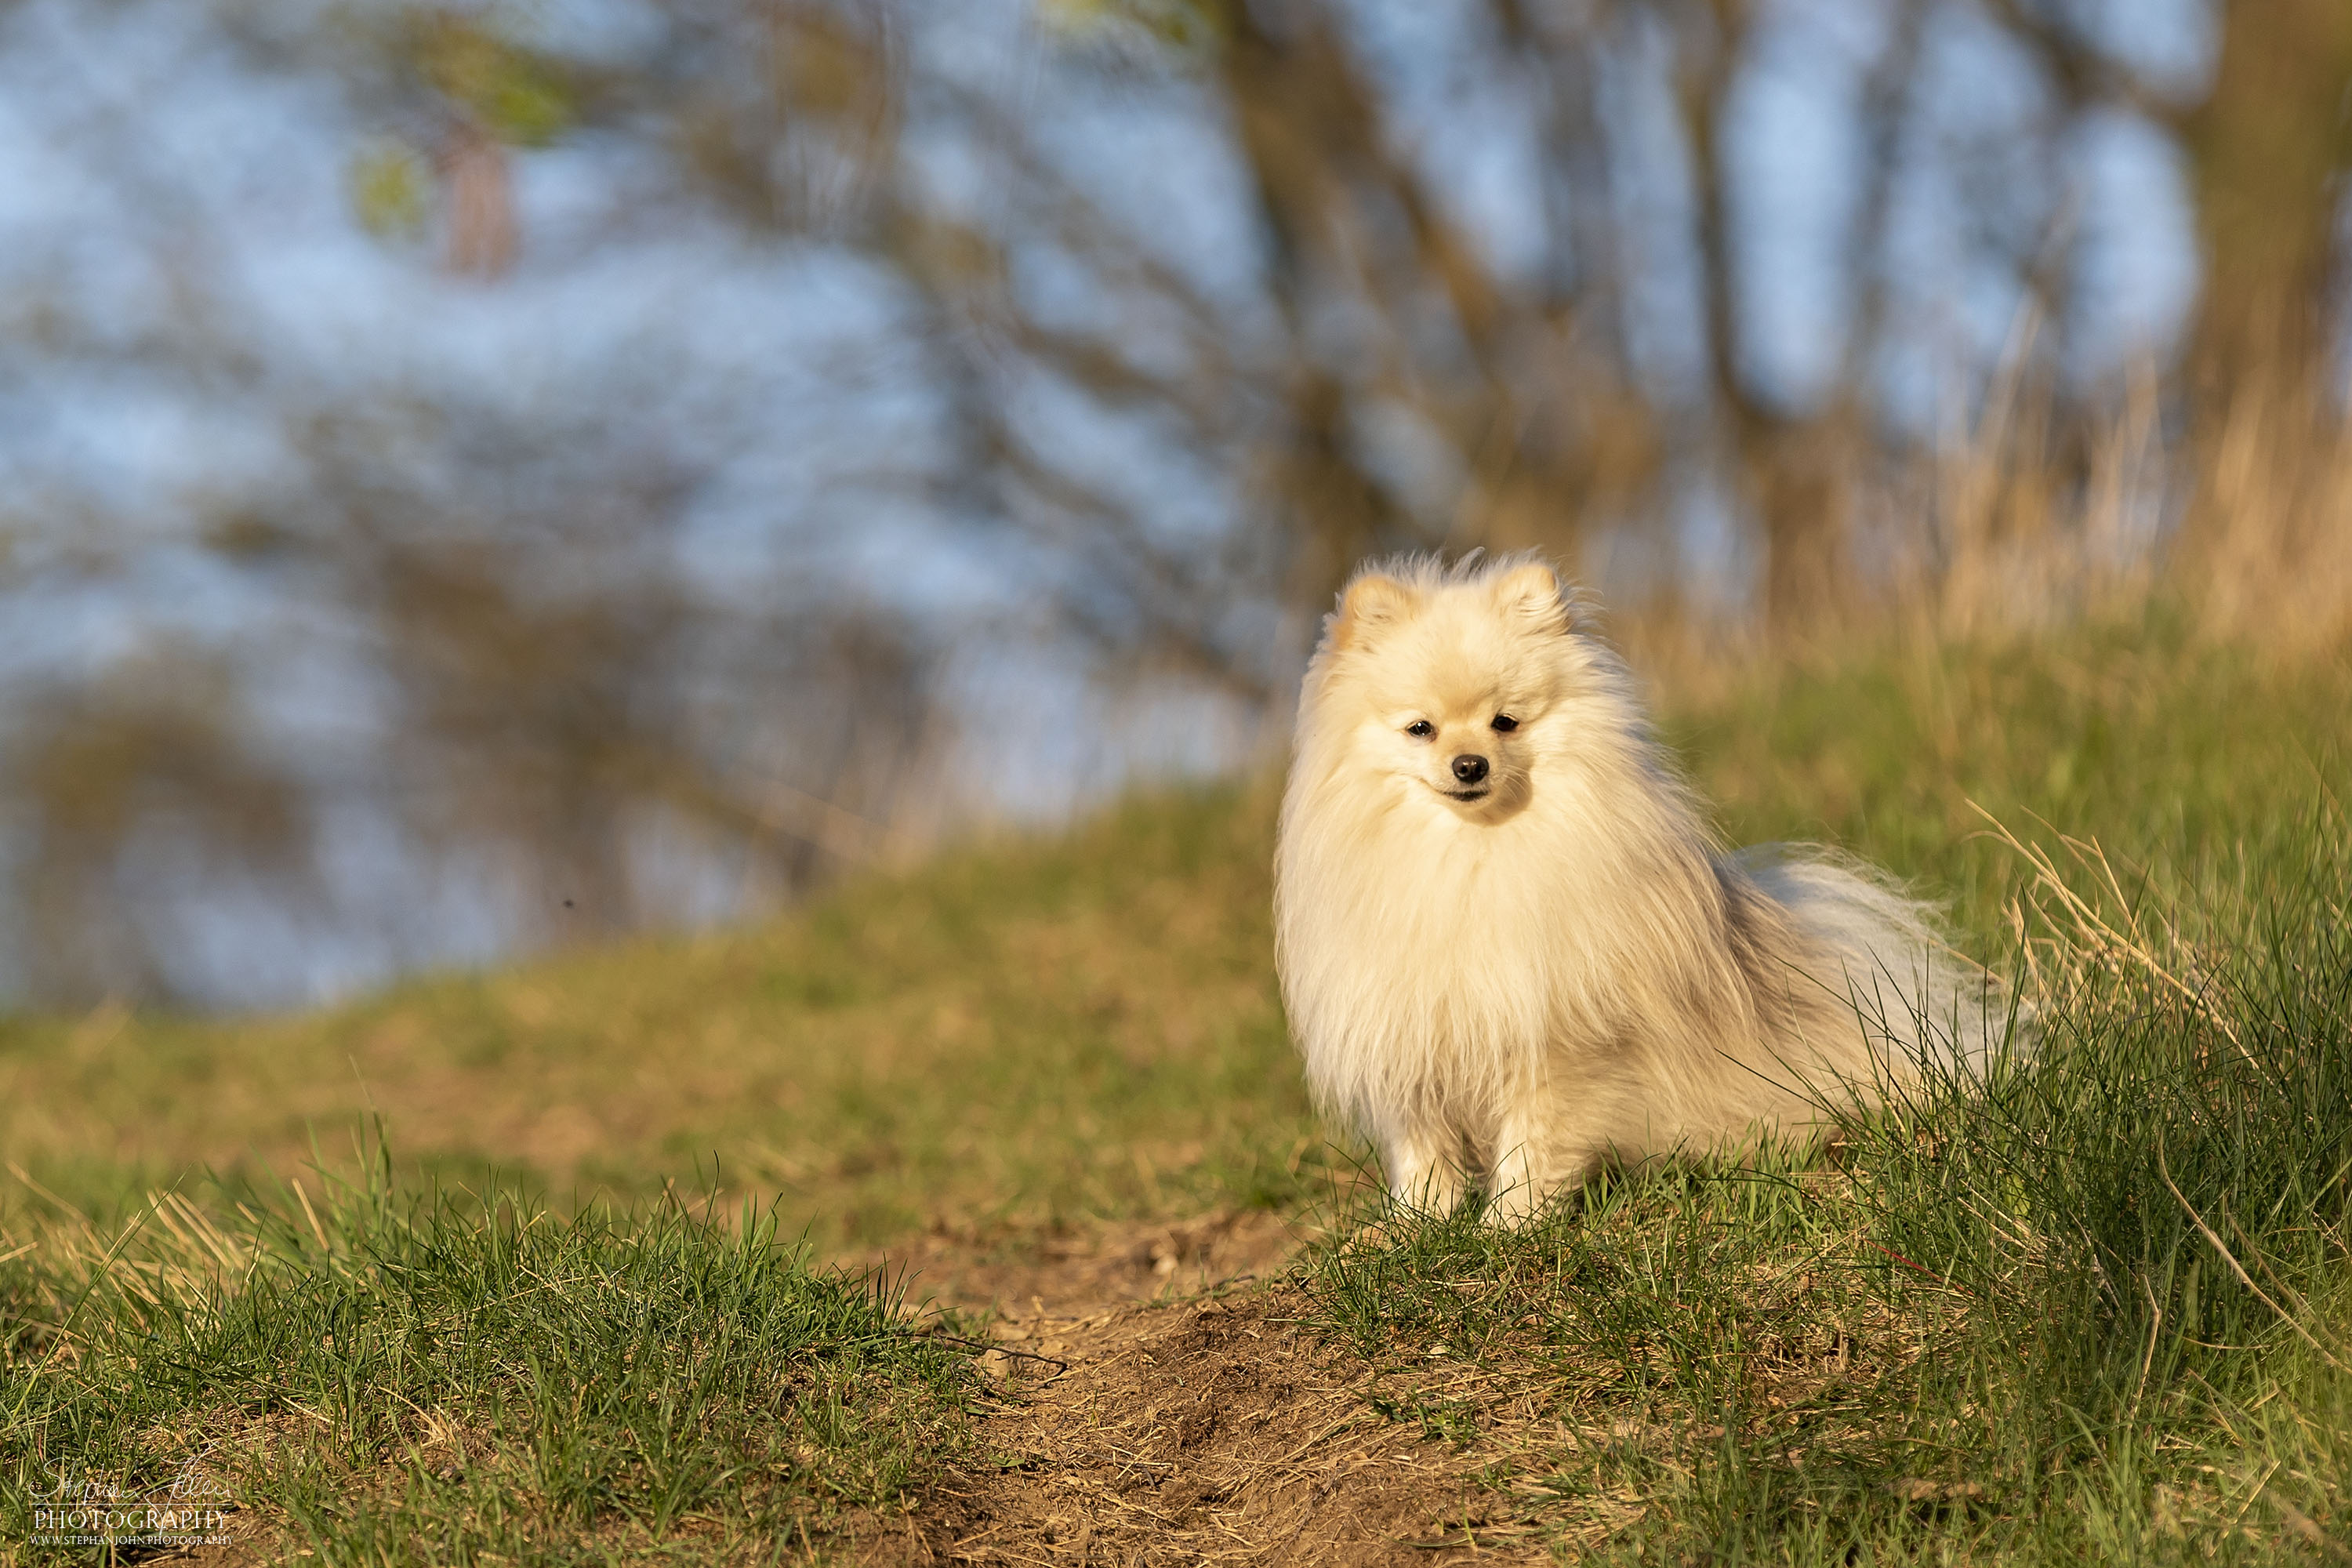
[1175, 459]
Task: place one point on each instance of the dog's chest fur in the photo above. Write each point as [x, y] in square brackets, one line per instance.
[1423, 954]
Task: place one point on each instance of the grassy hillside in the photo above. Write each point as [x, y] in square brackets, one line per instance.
[1045, 1029]
[1090, 1025]
[2116, 1289]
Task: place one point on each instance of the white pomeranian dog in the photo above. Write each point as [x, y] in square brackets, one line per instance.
[1511, 947]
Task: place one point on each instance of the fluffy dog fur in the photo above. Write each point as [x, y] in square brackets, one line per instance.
[1512, 978]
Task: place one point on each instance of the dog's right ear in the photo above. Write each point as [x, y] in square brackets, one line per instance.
[1370, 605]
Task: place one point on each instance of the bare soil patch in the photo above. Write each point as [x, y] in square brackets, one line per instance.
[1212, 1430]
[1132, 1428]
[1073, 1272]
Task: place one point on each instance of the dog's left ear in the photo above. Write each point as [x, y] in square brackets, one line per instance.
[1530, 595]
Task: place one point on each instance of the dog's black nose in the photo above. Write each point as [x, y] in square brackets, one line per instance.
[1469, 768]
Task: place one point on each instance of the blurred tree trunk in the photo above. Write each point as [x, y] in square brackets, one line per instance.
[1301, 119]
[2271, 146]
[1796, 470]
[2268, 145]
[1785, 465]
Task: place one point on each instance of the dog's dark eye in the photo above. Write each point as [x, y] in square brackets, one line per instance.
[1420, 729]
[1505, 723]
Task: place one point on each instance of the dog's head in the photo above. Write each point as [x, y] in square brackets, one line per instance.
[1456, 682]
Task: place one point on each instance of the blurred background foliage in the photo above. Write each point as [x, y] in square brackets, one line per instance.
[482, 477]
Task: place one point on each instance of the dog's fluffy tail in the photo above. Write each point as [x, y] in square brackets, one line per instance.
[1926, 1011]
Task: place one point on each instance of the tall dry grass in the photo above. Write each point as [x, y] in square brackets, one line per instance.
[2229, 515]
[2242, 519]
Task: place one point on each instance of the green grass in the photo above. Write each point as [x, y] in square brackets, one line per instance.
[1018, 1035]
[390, 1378]
[1988, 1331]
[2094, 1305]
[2160, 749]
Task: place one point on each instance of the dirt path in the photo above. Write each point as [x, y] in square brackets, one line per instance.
[1078, 1273]
[1207, 1428]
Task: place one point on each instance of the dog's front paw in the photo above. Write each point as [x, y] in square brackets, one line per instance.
[1515, 1205]
[1424, 1181]
[1530, 1175]
[1432, 1193]
[1429, 1199]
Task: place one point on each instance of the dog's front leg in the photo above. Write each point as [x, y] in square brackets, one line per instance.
[1535, 1157]
[1423, 1162]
